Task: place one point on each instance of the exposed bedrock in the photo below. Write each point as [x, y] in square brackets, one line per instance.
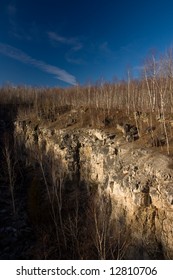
[138, 181]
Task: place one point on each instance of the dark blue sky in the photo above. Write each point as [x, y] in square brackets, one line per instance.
[64, 42]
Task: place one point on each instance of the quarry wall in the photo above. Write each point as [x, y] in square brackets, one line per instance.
[138, 181]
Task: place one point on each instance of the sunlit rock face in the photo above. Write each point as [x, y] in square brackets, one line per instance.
[138, 181]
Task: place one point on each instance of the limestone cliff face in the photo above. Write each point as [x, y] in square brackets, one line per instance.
[138, 181]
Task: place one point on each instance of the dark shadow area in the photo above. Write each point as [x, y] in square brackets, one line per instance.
[16, 234]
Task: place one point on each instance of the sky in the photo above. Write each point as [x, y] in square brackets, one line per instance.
[62, 43]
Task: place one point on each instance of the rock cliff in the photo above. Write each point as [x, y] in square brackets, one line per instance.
[138, 181]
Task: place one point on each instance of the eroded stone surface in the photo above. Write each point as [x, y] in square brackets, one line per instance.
[139, 181]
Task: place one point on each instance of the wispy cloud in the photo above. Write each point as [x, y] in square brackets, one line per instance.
[73, 42]
[107, 51]
[15, 29]
[11, 10]
[19, 32]
[75, 45]
[19, 55]
[71, 59]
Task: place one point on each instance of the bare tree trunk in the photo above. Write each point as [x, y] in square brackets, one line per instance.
[10, 165]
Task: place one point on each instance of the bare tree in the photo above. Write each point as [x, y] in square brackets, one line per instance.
[10, 164]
